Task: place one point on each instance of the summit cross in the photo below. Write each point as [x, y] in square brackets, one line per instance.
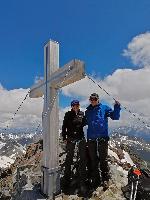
[54, 79]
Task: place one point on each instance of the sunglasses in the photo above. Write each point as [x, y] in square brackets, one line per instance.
[93, 99]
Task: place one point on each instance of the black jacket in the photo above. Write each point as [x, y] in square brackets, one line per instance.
[72, 128]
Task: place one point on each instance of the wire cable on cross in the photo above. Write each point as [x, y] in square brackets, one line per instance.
[51, 103]
[18, 109]
[45, 114]
[128, 110]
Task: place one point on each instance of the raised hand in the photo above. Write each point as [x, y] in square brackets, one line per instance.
[117, 103]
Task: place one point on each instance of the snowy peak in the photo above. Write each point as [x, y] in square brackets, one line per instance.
[2, 144]
[138, 148]
[5, 161]
[120, 157]
[9, 150]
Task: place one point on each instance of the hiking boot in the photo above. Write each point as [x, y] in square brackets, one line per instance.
[83, 190]
[105, 185]
[105, 177]
[96, 183]
[65, 185]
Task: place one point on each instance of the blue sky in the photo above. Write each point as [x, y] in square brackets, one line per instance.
[95, 31]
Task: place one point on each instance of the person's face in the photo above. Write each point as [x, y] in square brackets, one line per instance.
[76, 108]
[94, 101]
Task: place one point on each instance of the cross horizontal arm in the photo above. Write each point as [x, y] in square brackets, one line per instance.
[37, 90]
[70, 73]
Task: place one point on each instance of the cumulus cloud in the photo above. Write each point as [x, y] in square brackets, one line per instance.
[130, 87]
[28, 115]
[139, 50]
[126, 85]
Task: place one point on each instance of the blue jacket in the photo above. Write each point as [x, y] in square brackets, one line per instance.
[97, 119]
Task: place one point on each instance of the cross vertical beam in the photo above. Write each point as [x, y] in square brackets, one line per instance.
[50, 123]
[54, 79]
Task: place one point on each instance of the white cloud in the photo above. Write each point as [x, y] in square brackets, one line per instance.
[28, 115]
[130, 87]
[127, 85]
[139, 50]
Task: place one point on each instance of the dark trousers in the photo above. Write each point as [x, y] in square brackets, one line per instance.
[97, 156]
[103, 158]
[69, 160]
[93, 161]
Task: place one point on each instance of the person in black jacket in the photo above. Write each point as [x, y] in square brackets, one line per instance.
[72, 132]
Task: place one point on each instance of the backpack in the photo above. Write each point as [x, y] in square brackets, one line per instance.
[138, 187]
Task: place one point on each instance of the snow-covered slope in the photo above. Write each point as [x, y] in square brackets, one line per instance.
[127, 158]
[137, 145]
[2, 144]
[9, 150]
[5, 161]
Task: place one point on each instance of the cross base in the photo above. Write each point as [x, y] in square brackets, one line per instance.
[50, 184]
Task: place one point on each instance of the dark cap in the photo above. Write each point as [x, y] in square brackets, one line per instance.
[94, 96]
[74, 102]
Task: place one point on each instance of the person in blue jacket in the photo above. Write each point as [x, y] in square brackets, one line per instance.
[97, 116]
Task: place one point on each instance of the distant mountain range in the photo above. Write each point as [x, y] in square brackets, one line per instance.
[9, 150]
[135, 131]
[14, 141]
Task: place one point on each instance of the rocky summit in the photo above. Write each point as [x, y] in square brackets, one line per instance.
[22, 178]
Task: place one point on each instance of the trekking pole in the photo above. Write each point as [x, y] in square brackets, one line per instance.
[138, 173]
[146, 166]
[136, 188]
[131, 191]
